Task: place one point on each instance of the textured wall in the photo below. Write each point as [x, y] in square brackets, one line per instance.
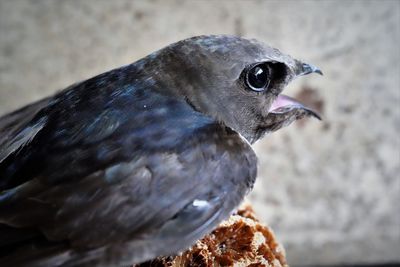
[330, 190]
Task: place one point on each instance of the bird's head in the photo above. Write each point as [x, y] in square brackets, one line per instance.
[234, 80]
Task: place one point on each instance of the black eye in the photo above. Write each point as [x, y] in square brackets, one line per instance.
[257, 77]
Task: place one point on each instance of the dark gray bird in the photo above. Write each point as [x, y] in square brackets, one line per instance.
[143, 160]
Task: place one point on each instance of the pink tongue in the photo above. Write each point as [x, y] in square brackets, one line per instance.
[283, 101]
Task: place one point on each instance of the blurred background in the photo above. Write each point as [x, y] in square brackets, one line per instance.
[330, 190]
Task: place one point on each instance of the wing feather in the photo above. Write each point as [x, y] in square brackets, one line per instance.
[19, 128]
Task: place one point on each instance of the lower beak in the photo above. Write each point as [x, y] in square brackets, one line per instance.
[284, 104]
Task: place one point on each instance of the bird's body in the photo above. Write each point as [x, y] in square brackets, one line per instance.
[140, 161]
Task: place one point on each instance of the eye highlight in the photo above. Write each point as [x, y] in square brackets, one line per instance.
[258, 77]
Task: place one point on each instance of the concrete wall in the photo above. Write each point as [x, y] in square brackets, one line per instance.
[330, 190]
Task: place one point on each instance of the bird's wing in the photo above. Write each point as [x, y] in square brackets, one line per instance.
[156, 204]
[16, 129]
[111, 185]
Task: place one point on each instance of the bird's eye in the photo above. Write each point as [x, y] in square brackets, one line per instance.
[258, 77]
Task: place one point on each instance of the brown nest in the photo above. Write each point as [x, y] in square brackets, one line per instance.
[239, 241]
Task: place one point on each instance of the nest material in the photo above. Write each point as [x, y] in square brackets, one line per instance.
[239, 241]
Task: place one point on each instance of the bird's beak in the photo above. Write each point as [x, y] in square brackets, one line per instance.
[285, 110]
[305, 69]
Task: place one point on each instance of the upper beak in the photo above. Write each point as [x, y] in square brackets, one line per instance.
[305, 69]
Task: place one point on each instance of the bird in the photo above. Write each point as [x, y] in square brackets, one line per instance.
[145, 159]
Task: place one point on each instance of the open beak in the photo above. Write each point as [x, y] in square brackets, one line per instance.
[285, 110]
